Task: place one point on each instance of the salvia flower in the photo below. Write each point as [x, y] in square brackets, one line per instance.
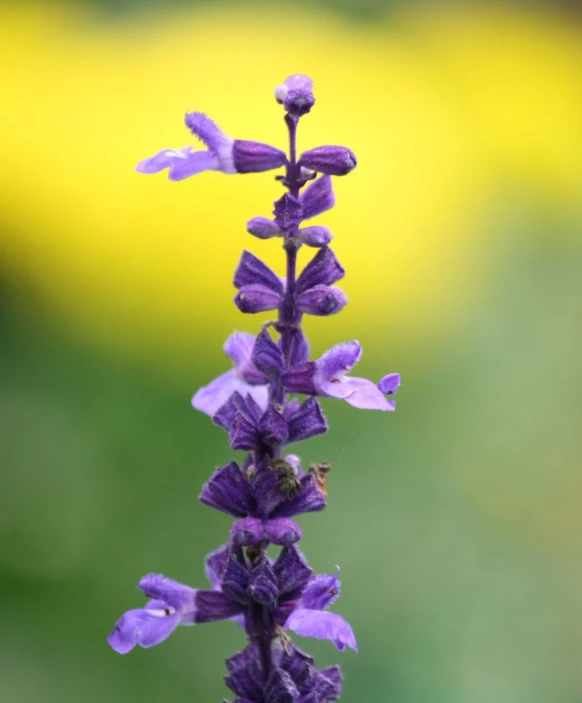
[222, 153]
[271, 595]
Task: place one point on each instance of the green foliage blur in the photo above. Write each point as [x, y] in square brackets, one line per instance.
[456, 521]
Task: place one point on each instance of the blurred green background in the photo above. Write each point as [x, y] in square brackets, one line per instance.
[456, 521]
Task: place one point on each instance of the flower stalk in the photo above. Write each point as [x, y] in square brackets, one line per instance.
[253, 403]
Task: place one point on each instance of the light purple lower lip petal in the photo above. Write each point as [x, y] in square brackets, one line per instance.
[209, 399]
[194, 163]
[366, 396]
[163, 159]
[323, 626]
[157, 629]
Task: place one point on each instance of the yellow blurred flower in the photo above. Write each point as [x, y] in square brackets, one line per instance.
[444, 110]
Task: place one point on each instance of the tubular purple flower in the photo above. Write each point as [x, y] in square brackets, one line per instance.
[172, 604]
[222, 154]
[332, 160]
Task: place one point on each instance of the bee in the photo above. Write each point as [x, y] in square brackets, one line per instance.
[320, 473]
[288, 482]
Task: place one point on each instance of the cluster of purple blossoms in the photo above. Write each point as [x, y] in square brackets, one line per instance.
[254, 403]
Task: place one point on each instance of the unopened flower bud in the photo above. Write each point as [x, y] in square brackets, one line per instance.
[322, 300]
[263, 228]
[256, 298]
[254, 157]
[331, 160]
[315, 236]
[295, 95]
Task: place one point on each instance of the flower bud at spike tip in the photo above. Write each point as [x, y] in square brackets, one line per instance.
[295, 95]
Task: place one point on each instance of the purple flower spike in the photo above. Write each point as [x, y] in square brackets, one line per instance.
[173, 604]
[317, 197]
[295, 95]
[331, 160]
[264, 592]
[238, 347]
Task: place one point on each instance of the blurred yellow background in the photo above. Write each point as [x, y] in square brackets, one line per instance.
[457, 521]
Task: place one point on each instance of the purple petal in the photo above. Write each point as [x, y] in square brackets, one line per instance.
[321, 592]
[322, 300]
[227, 490]
[252, 270]
[308, 421]
[323, 269]
[255, 157]
[265, 490]
[214, 605]
[298, 347]
[315, 236]
[214, 138]
[365, 395]
[336, 362]
[317, 197]
[238, 347]
[300, 378]
[245, 678]
[263, 228]
[282, 531]
[280, 687]
[288, 212]
[181, 162]
[235, 580]
[256, 298]
[171, 592]
[328, 684]
[263, 586]
[243, 433]
[332, 160]
[390, 383]
[215, 565]
[209, 399]
[247, 531]
[291, 569]
[296, 94]
[323, 626]
[144, 627]
[267, 356]
[225, 415]
[273, 427]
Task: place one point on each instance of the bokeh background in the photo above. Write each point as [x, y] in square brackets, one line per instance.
[456, 521]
